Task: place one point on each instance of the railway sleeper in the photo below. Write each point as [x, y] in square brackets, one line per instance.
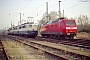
[58, 52]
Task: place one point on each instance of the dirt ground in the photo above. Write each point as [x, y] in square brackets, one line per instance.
[83, 35]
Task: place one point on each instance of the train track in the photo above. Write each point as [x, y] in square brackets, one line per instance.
[17, 50]
[3, 55]
[60, 50]
[82, 43]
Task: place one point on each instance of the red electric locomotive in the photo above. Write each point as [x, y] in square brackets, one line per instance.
[59, 28]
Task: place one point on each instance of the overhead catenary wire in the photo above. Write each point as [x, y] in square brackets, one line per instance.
[73, 6]
[44, 9]
[17, 7]
[53, 5]
[49, 7]
[64, 9]
[39, 6]
[23, 7]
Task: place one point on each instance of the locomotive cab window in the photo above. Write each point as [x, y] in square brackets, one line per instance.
[70, 23]
[30, 26]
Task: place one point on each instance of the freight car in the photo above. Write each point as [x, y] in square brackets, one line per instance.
[26, 29]
[60, 28]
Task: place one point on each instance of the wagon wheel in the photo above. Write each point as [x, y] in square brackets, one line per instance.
[33, 36]
[55, 36]
[43, 35]
[48, 36]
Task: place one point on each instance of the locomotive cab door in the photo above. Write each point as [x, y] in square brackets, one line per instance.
[60, 28]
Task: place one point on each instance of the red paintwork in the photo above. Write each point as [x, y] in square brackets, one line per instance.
[59, 27]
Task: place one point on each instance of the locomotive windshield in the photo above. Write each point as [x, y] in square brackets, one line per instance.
[35, 26]
[30, 26]
[70, 23]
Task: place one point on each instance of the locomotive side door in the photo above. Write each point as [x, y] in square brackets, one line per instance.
[60, 28]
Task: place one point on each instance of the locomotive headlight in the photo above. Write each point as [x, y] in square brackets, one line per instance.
[33, 29]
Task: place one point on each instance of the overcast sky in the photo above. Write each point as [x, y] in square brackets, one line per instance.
[10, 9]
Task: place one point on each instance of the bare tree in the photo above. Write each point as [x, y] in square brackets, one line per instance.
[83, 23]
[83, 20]
[53, 15]
[40, 23]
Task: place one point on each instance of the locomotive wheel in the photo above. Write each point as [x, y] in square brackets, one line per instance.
[71, 37]
[62, 37]
[57, 36]
[51, 36]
